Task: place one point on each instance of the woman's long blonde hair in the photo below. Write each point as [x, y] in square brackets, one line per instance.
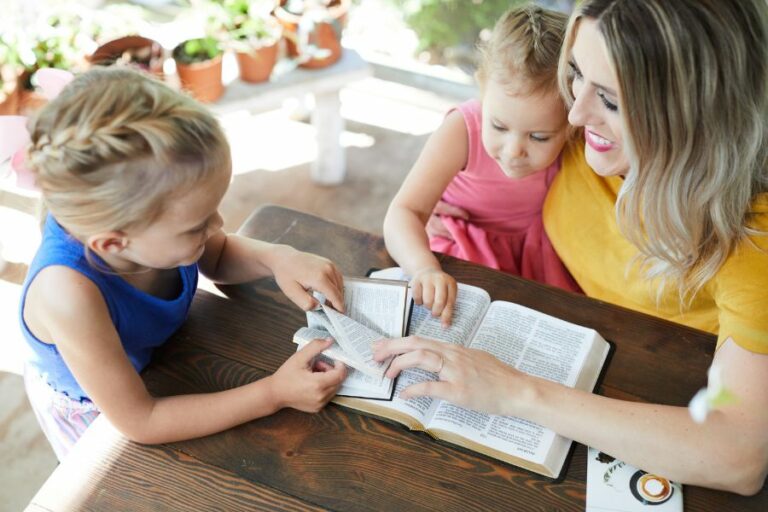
[116, 146]
[693, 81]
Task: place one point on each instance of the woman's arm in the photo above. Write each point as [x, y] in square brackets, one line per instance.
[729, 451]
[82, 330]
[443, 156]
[232, 259]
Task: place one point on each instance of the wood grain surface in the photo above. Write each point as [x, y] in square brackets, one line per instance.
[339, 459]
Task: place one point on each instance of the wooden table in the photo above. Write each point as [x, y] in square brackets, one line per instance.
[338, 459]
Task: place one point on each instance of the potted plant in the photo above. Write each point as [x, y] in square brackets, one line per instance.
[54, 43]
[198, 63]
[137, 51]
[312, 29]
[114, 30]
[250, 30]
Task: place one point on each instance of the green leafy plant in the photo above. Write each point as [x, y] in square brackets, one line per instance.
[441, 24]
[54, 44]
[245, 24]
[10, 64]
[197, 50]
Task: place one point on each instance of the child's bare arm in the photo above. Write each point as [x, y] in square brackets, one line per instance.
[83, 332]
[443, 156]
[231, 259]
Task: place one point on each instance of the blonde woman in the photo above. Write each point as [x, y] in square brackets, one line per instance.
[669, 216]
[132, 174]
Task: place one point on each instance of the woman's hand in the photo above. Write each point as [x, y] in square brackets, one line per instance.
[435, 226]
[298, 272]
[466, 377]
[436, 290]
[305, 384]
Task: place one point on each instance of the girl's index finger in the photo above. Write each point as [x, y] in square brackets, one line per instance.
[334, 295]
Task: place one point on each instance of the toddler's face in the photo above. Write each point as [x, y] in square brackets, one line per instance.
[179, 235]
[523, 133]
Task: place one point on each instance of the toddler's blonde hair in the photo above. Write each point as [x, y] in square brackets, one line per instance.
[116, 146]
[523, 49]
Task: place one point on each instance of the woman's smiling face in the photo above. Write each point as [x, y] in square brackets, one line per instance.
[596, 104]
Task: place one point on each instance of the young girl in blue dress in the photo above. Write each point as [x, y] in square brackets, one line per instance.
[132, 175]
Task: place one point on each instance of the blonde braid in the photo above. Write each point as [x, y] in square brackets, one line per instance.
[115, 145]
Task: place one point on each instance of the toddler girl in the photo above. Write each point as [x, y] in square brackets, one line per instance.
[487, 168]
[132, 174]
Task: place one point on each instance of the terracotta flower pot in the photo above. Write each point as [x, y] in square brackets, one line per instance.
[325, 35]
[29, 100]
[256, 66]
[202, 79]
[144, 53]
[9, 98]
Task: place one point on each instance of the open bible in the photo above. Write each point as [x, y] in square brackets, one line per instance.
[375, 309]
[531, 341]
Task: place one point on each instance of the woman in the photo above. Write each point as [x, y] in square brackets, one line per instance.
[672, 222]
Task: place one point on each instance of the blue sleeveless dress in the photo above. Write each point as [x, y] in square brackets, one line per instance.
[142, 321]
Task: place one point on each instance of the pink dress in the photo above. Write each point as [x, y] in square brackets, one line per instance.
[504, 230]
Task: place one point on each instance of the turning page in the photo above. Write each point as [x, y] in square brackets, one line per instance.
[354, 339]
[375, 309]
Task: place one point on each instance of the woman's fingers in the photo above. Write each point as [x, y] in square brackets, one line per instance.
[397, 346]
[425, 359]
[434, 388]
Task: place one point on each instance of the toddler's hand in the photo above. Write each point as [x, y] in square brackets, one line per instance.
[296, 272]
[305, 384]
[437, 291]
[435, 225]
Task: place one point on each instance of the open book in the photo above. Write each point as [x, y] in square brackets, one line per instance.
[375, 309]
[531, 341]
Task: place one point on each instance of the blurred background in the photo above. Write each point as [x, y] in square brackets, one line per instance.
[412, 59]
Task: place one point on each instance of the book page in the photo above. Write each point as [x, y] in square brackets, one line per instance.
[353, 340]
[471, 303]
[508, 434]
[536, 344]
[377, 304]
[415, 409]
[418, 407]
[357, 383]
[533, 342]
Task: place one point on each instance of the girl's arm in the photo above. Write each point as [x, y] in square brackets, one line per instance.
[728, 451]
[80, 326]
[443, 156]
[232, 259]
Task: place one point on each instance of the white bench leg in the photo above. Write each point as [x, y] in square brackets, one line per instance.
[330, 166]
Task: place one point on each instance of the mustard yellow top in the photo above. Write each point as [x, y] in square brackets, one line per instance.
[579, 217]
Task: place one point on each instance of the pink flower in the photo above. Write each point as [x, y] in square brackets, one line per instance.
[14, 136]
